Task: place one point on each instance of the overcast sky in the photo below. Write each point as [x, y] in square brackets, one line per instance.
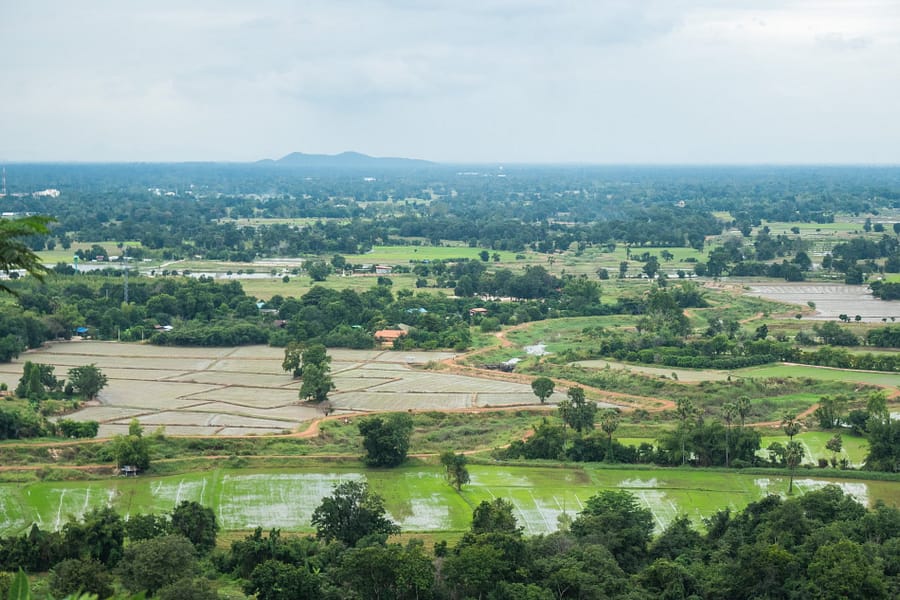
[596, 81]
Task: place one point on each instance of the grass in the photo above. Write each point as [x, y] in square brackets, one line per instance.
[821, 374]
[417, 496]
[298, 285]
[403, 255]
[854, 448]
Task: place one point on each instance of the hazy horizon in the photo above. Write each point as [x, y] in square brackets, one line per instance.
[529, 82]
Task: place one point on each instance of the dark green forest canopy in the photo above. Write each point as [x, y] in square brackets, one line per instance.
[545, 208]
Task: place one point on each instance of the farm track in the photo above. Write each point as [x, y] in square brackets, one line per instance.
[629, 402]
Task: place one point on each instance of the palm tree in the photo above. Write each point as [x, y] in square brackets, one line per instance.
[14, 253]
[743, 408]
[790, 425]
[684, 408]
[609, 422]
[793, 454]
[729, 411]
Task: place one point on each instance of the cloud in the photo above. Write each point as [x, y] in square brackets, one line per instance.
[839, 41]
[529, 80]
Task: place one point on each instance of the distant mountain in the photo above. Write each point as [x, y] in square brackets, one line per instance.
[345, 160]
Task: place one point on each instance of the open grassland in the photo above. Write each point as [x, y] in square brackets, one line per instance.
[235, 391]
[417, 497]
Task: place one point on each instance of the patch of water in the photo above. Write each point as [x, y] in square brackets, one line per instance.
[284, 500]
[859, 491]
[539, 349]
[427, 514]
[638, 483]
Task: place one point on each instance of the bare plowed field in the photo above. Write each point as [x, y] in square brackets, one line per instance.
[243, 391]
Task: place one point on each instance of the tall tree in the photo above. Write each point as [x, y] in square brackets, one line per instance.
[87, 380]
[577, 412]
[790, 425]
[729, 412]
[197, 523]
[684, 409]
[316, 383]
[609, 422]
[455, 464]
[743, 408]
[386, 439]
[351, 513]
[542, 388]
[793, 456]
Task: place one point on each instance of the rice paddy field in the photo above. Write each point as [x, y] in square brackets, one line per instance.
[822, 373]
[244, 391]
[854, 448]
[831, 299]
[416, 497]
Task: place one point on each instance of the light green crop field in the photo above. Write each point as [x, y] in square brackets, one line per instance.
[417, 497]
[298, 285]
[828, 374]
[854, 448]
[59, 255]
[401, 255]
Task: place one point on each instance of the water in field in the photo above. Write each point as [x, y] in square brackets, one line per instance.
[417, 498]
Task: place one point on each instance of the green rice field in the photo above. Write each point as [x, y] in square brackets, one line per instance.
[417, 497]
[854, 448]
[822, 373]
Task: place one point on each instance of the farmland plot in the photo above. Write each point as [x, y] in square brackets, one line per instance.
[417, 498]
[831, 299]
[235, 391]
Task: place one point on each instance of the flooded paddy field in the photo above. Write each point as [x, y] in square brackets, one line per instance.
[416, 497]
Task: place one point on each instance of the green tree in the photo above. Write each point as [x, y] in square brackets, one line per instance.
[790, 425]
[276, 580]
[100, 536]
[30, 385]
[455, 465]
[685, 411]
[14, 251]
[197, 523]
[390, 571]
[793, 456]
[316, 383]
[835, 444]
[87, 380]
[844, 570]
[188, 588]
[576, 411]
[386, 439]
[149, 565]
[293, 355]
[77, 575]
[615, 519]
[743, 408]
[318, 270]
[831, 411]
[351, 513]
[132, 449]
[609, 422]
[542, 388]
[729, 412]
[496, 516]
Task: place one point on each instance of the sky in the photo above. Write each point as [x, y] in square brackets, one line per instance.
[483, 81]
